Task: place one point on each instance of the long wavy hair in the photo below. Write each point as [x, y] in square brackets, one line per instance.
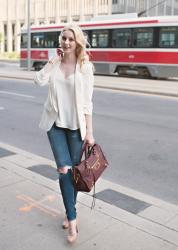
[81, 41]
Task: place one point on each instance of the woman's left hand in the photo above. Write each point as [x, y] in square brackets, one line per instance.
[89, 139]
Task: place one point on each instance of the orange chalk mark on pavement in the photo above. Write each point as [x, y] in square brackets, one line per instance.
[31, 203]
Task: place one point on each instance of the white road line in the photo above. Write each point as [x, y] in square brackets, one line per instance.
[17, 94]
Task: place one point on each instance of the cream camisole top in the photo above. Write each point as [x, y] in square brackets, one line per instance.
[65, 95]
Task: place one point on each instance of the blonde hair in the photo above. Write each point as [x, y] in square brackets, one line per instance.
[81, 42]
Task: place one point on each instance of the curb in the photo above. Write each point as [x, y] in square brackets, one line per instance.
[148, 92]
[16, 77]
[9, 61]
[137, 91]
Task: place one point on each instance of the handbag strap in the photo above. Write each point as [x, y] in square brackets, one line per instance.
[94, 194]
[94, 197]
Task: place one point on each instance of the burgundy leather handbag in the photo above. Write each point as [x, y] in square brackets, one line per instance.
[87, 172]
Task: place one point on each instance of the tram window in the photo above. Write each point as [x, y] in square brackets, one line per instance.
[38, 40]
[24, 40]
[121, 38]
[86, 35]
[168, 37]
[143, 37]
[51, 40]
[99, 38]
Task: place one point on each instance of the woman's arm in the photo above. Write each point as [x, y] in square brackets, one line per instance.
[89, 138]
[88, 104]
[42, 76]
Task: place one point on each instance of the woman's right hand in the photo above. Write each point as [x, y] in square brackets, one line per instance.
[60, 52]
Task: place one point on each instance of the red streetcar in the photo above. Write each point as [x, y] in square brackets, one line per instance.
[142, 46]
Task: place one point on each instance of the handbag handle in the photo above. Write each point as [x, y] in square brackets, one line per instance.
[87, 150]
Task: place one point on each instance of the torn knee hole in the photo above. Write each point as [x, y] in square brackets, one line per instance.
[63, 170]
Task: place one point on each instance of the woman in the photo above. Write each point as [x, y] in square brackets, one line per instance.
[67, 114]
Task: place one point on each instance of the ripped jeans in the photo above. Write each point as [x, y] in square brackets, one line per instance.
[66, 146]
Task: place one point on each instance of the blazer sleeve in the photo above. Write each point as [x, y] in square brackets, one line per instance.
[88, 89]
[41, 77]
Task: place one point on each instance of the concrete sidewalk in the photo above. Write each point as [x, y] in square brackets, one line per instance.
[146, 86]
[32, 212]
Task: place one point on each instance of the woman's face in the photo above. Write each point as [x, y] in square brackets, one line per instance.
[68, 42]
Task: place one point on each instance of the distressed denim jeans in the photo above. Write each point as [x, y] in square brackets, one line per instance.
[66, 145]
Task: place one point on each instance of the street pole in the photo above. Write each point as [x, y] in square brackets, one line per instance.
[29, 39]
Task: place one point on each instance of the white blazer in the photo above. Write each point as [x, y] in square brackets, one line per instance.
[83, 85]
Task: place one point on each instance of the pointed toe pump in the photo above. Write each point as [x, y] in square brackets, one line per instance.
[73, 232]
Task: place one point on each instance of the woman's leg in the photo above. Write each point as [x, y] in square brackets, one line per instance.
[59, 144]
[75, 146]
[66, 146]
[68, 195]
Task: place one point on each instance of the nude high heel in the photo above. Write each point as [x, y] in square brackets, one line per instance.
[73, 231]
[65, 224]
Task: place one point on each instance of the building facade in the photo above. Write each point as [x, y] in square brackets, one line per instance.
[151, 7]
[13, 13]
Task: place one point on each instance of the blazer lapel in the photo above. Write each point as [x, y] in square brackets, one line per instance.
[78, 86]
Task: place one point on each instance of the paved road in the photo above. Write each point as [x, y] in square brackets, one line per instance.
[137, 132]
[167, 87]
